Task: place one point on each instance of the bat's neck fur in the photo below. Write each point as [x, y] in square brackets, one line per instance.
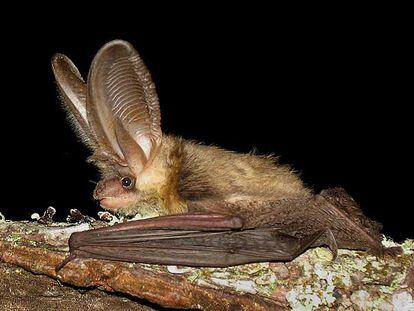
[185, 173]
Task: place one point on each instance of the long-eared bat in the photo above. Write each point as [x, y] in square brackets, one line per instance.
[215, 207]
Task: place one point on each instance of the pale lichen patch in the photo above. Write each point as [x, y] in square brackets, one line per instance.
[35, 216]
[2, 218]
[13, 238]
[313, 280]
[408, 246]
[403, 301]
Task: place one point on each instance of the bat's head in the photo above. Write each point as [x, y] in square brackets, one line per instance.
[115, 193]
[116, 113]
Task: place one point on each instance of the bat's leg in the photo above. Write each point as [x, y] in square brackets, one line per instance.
[330, 241]
[327, 238]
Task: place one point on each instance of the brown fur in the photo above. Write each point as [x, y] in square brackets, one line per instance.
[170, 175]
[197, 175]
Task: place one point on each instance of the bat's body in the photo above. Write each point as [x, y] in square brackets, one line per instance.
[268, 213]
[187, 176]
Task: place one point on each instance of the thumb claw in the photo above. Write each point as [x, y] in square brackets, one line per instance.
[68, 259]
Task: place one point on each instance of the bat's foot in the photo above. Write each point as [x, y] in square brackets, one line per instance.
[68, 259]
[392, 251]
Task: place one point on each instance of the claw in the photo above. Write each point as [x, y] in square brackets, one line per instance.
[68, 259]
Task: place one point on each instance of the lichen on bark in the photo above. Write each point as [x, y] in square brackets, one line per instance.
[312, 281]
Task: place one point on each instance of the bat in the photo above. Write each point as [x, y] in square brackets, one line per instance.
[215, 207]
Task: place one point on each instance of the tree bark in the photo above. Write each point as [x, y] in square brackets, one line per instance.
[354, 280]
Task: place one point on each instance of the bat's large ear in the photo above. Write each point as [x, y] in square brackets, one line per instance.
[123, 107]
[73, 92]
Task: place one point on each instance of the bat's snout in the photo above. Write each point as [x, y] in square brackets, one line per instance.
[97, 193]
[109, 188]
[113, 194]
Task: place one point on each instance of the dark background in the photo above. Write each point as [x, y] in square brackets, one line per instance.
[330, 96]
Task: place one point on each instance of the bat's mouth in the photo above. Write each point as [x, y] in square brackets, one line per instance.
[114, 202]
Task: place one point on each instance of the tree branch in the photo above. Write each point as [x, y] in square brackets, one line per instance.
[310, 281]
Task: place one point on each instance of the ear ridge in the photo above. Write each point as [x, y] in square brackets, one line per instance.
[72, 89]
[123, 104]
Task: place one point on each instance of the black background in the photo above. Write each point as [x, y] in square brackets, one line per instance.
[330, 95]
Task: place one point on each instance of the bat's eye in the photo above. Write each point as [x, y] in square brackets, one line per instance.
[126, 182]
